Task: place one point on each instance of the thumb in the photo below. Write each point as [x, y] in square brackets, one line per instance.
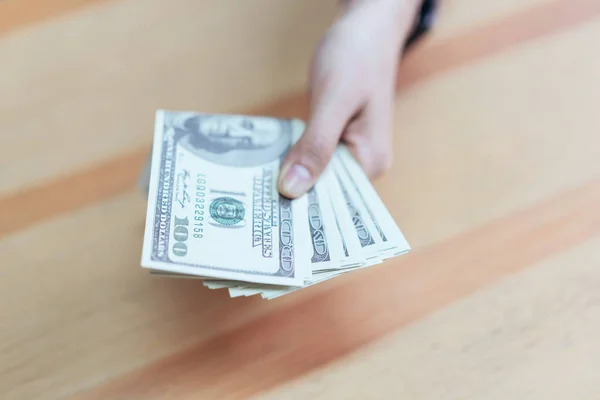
[311, 154]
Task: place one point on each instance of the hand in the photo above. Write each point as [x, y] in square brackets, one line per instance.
[352, 89]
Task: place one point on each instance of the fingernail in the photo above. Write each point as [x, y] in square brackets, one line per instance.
[296, 181]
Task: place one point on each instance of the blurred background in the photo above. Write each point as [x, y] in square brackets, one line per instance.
[496, 185]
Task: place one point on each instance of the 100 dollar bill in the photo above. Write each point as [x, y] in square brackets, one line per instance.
[213, 205]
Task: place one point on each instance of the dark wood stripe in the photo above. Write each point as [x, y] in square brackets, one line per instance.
[355, 310]
[30, 206]
[15, 14]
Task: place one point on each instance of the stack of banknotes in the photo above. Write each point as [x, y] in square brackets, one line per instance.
[214, 212]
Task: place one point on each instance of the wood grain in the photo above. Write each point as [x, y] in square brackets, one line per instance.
[496, 180]
[66, 194]
[423, 64]
[515, 29]
[291, 341]
[115, 63]
[500, 343]
[17, 14]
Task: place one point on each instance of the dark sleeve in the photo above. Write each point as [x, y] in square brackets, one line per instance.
[424, 21]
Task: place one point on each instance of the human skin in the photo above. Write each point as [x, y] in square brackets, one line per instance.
[351, 90]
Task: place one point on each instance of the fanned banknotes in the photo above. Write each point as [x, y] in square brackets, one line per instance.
[214, 212]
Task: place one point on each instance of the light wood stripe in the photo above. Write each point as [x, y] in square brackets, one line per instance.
[310, 333]
[15, 14]
[113, 176]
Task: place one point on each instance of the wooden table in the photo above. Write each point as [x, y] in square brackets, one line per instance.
[496, 184]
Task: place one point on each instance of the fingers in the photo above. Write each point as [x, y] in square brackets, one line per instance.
[309, 157]
[369, 137]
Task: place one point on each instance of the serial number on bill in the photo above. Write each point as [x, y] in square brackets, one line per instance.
[199, 206]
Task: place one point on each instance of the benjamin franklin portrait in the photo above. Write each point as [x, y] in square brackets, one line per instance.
[236, 141]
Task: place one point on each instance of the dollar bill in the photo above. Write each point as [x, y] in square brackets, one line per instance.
[273, 293]
[214, 212]
[364, 213]
[364, 228]
[269, 292]
[392, 239]
[213, 205]
[352, 252]
[326, 240]
[326, 244]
